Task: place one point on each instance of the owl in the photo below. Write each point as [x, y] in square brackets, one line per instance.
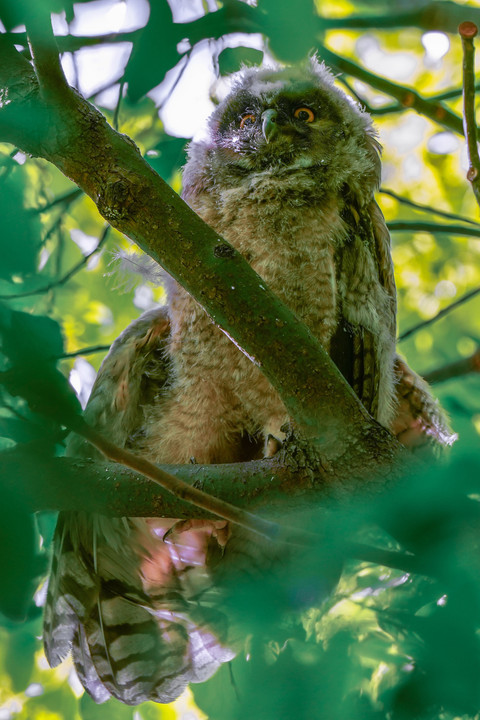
[287, 174]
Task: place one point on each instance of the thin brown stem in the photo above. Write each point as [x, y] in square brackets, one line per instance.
[412, 226]
[407, 97]
[64, 200]
[84, 351]
[467, 31]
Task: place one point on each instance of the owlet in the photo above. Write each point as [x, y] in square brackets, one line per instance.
[287, 175]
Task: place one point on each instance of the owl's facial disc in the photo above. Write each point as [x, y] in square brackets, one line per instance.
[270, 128]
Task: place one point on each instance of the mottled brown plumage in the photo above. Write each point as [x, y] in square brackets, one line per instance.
[287, 174]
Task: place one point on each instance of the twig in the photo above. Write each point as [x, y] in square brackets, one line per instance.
[84, 351]
[431, 227]
[384, 110]
[455, 369]
[66, 199]
[407, 97]
[64, 278]
[117, 106]
[467, 31]
[427, 208]
[56, 226]
[451, 94]
[436, 15]
[440, 314]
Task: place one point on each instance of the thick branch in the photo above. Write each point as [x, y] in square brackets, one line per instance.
[44, 52]
[176, 486]
[274, 485]
[134, 199]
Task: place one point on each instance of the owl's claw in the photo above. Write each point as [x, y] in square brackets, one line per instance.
[216, 528]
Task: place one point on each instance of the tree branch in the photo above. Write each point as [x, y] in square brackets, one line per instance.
[279, 485]
[418, 226]
[467, 31]
[442, 313]
[427, 208]
[133, 198]
[44, 53]
[176, 486]
[455, 369]
[407, 97]
[439, 15]
[92, 350]
[68, 275]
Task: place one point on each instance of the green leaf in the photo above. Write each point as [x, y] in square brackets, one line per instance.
[169, 156]
[20, 236]
[20, 657]
[231, 59]
[154, 52]
[20, 564]
[112, 709]
[31, 343]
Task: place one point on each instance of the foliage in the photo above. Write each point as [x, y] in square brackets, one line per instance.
[395, 635]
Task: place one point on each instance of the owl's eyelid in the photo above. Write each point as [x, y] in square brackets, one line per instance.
[305, 108]
[245, 116]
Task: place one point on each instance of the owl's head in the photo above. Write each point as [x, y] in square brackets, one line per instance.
[282, 121]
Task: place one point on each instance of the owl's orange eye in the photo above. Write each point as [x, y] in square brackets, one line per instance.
[304, 114]
[247, 119]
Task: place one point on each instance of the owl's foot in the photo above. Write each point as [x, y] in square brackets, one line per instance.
[218, 529]
[272, 446]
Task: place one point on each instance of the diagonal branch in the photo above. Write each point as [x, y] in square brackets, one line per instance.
[44, 52]
[442, 313]
[407, 97]
[427, 208]
[132, 197]
[412, 226]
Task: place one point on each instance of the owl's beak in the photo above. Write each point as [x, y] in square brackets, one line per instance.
[269, 124]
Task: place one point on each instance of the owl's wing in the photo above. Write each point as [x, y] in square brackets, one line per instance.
[418, 422]
[392, 392]
[363, 345]
[119, 597]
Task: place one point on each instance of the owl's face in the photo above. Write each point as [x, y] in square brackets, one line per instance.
[280, 121]
[272, 125]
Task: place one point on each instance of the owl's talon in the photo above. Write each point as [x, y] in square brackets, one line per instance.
[216, 528]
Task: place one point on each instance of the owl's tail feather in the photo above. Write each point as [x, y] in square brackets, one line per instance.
[419, 423]
[129, 655]
[71, 590]
[133, 637]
